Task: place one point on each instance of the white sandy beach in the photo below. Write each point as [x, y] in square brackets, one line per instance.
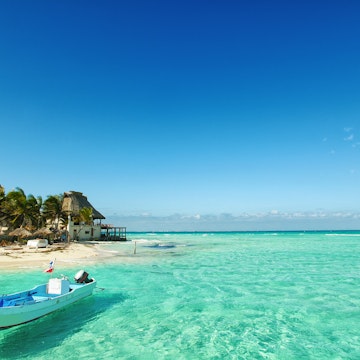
[12, 257]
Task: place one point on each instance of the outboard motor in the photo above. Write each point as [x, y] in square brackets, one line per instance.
[81, 277]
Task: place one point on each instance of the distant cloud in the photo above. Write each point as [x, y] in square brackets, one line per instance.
[349, 138]
[349, 135]
[273, 220]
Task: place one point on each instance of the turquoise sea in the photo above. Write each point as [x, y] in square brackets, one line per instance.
[238, 295]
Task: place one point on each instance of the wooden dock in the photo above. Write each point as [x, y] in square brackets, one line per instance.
[113, 233]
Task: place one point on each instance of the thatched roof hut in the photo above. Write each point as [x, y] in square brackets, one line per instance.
[74, 201]
[20, 232]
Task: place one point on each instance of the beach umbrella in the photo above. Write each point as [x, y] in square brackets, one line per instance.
[43, 232]
[20, 232]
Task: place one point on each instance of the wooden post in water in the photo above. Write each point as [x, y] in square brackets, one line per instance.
[134, 247]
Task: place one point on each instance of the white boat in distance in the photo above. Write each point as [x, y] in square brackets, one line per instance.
[25, 306]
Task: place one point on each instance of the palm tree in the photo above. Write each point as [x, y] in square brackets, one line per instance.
[2, 199]
[86, 215]
[2, 194]
[33, 207]
[52, 209]
[19, 210]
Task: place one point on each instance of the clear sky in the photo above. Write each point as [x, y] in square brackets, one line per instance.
[186, 115]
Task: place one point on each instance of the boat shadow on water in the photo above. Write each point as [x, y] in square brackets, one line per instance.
[169, 248]
[50, 331]
[161, 246]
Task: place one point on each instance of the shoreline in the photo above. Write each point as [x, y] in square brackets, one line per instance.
[20, 257]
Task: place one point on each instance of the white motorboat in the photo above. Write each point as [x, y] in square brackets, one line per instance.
[25, 306]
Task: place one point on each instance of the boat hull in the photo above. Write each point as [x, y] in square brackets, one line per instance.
[41, 305]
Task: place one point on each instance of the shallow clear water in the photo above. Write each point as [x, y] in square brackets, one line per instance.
[206, 296]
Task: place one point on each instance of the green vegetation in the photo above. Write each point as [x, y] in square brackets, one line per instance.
[18, 210]
[86, 215]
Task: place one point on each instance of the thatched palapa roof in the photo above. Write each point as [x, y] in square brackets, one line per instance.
[74, 201]
[20, 232]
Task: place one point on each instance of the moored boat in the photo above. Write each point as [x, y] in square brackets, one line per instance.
[25, 306]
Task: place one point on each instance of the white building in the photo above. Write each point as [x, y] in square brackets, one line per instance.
[91, 229]
[73, 202]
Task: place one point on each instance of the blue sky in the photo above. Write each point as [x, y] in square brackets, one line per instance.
[186, 115]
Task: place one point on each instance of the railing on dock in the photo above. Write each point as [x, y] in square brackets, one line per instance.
[113, 233]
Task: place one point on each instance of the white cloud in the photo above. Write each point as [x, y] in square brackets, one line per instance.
[145, 214]
[349, 138]
[273, 220]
